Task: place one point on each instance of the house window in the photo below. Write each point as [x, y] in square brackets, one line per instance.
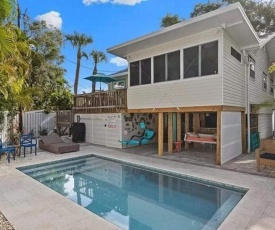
[173, 66]
[119, 84]
[236, 54]
[191, 62]
[251, 67]
[271, 86]
[264, 81]
[140, 72]
[134, 73]
[201, 60]
[159, 68]
[209, 58]
[167, 67]
[145, 71]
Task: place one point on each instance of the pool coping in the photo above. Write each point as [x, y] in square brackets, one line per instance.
[255, 210]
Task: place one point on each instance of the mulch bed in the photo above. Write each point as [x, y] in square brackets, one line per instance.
[4, 223]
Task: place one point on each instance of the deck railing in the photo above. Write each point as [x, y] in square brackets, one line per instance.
[101, 102]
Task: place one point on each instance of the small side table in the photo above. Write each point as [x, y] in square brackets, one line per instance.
[177, 146]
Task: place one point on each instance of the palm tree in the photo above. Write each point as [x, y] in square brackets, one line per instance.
[79, 41]
[7, 9]
[98, 56]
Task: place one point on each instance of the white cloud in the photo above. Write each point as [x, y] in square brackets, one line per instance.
[52, 19]
[119, 61]
[121, 2]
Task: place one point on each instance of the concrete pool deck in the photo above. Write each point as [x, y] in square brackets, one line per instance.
[27, 204]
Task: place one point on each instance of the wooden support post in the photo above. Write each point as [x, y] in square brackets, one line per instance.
[218, 150]
[178, 126]
[196, 122]
[186, 129]
[196, 127]
[170, 133]
[160, 134]
[243, 123]
[202, 119]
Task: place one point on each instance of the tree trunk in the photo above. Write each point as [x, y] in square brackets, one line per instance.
[94, 73]
[20, 119]
[77, 72]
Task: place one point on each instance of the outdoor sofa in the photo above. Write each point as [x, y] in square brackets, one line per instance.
[265, 155]
[54, 144]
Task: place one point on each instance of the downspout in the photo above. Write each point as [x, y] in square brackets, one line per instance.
[247, 98]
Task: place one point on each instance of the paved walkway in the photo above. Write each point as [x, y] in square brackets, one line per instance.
[27, 204]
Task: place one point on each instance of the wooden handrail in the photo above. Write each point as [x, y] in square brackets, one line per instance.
[105, 101]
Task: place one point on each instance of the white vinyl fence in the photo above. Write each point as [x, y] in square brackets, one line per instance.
[34, 121]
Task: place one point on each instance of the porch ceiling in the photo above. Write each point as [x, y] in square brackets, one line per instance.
[231, 18]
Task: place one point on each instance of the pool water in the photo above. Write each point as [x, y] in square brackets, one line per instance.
[134, 198]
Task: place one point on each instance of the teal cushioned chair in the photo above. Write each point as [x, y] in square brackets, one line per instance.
[147, 136]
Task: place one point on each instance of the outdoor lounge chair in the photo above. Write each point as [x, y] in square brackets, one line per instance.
[147, 136]
[265, 155]
[54, 144]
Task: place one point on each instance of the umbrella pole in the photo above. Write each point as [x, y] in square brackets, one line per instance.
[100, 96]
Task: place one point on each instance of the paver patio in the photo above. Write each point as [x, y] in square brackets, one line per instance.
[27, 204]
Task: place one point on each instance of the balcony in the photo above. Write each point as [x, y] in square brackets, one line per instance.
[101, 102]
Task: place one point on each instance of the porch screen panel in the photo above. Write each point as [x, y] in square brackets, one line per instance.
[145, 71]
[134, 73]
[191, 62]
[159, 68]
[173, 65]
[209, 58]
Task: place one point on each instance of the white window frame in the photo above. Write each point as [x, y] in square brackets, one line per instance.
[251, 60]
[264, 81]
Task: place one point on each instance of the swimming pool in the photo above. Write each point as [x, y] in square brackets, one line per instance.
[137, 198]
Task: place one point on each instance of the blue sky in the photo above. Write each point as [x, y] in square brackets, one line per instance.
[109, 22]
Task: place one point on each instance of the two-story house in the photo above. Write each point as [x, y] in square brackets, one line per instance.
[205, 74]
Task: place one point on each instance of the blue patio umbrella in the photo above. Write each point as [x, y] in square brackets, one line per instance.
[100, 77]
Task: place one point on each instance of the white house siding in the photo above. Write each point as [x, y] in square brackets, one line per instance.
[231, 136]
[103, 129]
[198, 91]
[190, 92]
[256, 92]
[265, 125]
[233, 75]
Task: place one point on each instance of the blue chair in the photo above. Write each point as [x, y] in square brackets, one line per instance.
[7, 149]
[27, 141]
[147, 136]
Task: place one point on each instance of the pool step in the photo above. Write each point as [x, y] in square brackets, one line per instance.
[68, 166]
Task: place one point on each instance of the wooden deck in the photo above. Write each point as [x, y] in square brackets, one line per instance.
[101, 102]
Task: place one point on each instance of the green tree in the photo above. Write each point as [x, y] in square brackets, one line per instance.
[169, 20]
[46, 71]
[261, 14]
[79, 41]
[62, 100]
[98, 56]
[202, 8]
